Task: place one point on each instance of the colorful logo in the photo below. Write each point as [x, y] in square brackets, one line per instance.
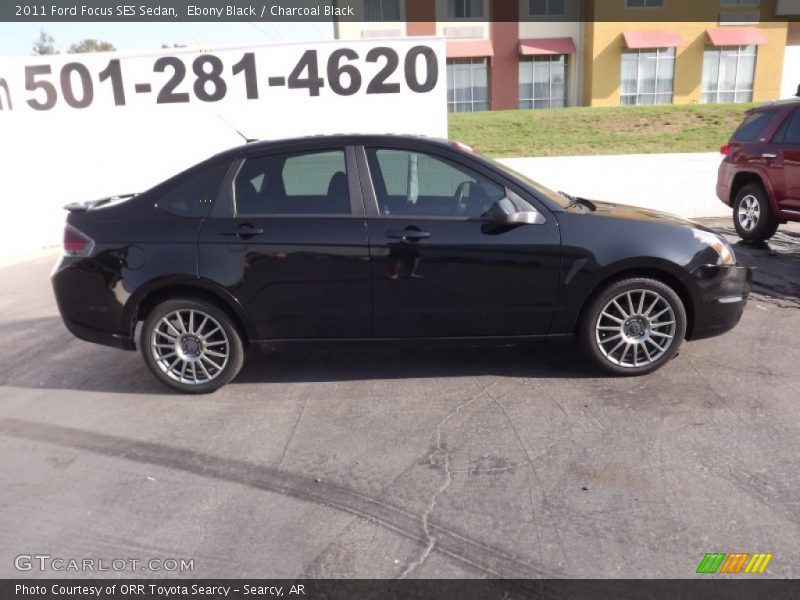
[736, 562]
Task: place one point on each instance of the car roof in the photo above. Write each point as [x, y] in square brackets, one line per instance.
[343, 139]
[778, 104]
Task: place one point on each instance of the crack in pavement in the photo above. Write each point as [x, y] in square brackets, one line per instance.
[469, 552]
[448, 478]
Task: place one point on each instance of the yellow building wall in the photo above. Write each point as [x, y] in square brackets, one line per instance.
[604, 45]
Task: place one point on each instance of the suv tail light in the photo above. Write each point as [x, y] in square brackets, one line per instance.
[726, 149]
[77, 243]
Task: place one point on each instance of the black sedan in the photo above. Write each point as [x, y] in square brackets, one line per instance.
[382, 238]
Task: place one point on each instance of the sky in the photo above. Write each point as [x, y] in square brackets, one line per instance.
[18, 38]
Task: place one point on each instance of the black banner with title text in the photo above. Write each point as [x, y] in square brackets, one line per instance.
[733, 13]
[319, 589]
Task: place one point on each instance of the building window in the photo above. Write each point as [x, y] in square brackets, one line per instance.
[644, 3]
[728, 73]
[740, 2]
[464, 9]
[647, 76]
[543, 81]
[546, 8]
[467, 84]
[382, 10]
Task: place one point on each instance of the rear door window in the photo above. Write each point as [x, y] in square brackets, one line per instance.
[754, 125]
[789, 132]
[307, 183]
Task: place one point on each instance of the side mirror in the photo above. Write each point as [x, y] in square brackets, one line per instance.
[506, 213]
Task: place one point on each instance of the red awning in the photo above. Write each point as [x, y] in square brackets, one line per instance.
[653, 39]
[563, 45]
[469, 48]
[736, 36]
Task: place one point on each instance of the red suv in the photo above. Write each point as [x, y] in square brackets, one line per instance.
[760, 174]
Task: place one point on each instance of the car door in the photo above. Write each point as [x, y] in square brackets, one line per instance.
[439, 268]
[785, 166]
[293, 247]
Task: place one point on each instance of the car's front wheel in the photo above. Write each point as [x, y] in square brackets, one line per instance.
[752, 216]
[633, 326]
[191, 345]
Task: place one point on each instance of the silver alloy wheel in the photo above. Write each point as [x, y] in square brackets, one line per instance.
[635, 328]
[749, 212]
[190, 346]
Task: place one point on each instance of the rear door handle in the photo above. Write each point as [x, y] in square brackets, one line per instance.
[769, 155]
[244, 231]
[407, 235]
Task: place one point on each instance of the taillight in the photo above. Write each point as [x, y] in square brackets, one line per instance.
[464, 147]
[77, 243]
[726, 149]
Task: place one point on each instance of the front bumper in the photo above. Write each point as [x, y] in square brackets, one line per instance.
[721, 295]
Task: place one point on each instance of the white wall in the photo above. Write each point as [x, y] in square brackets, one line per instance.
[682, 184]
[791, 72]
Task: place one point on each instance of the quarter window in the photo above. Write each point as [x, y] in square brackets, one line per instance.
[464, 9]
[647, 76]
[194, 193]
[754, 125]
[543, 82]
[300, 183]
[467, 84]
[412, 183]
[728, 74]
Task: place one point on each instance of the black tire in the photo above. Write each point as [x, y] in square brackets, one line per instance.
[218, 335]
[753, 224]
[600, 316]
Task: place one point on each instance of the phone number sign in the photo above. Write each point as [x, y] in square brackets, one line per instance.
[387, 86]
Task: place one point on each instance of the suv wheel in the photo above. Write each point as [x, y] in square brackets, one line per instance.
[633, 326]
[752, 215]
[191, 345]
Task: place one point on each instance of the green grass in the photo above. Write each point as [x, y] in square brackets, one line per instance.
[612, 130]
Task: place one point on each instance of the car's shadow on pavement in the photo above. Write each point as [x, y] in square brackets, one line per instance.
[70, 363]
[539, 361]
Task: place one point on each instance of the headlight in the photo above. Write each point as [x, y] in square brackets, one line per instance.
[719, 244]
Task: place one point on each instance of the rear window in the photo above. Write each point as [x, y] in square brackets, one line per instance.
[754, 125]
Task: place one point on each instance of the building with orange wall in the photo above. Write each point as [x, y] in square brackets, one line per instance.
[508, 54]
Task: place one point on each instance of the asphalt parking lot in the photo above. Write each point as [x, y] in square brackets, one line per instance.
[473, 462]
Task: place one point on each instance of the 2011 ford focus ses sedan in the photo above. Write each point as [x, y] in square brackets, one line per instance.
[352, 238]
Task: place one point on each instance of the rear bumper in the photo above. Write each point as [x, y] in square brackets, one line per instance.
[96, 336]
[722, 293]
[724, 179]
[87, 303]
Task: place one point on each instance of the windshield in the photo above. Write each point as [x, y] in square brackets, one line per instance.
[535, 186]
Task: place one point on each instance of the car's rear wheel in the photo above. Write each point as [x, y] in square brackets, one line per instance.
[633, 326]
[191, 345]
[752, 216]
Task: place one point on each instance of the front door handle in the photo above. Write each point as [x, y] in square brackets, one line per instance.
[407, 235]
[244, 231]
